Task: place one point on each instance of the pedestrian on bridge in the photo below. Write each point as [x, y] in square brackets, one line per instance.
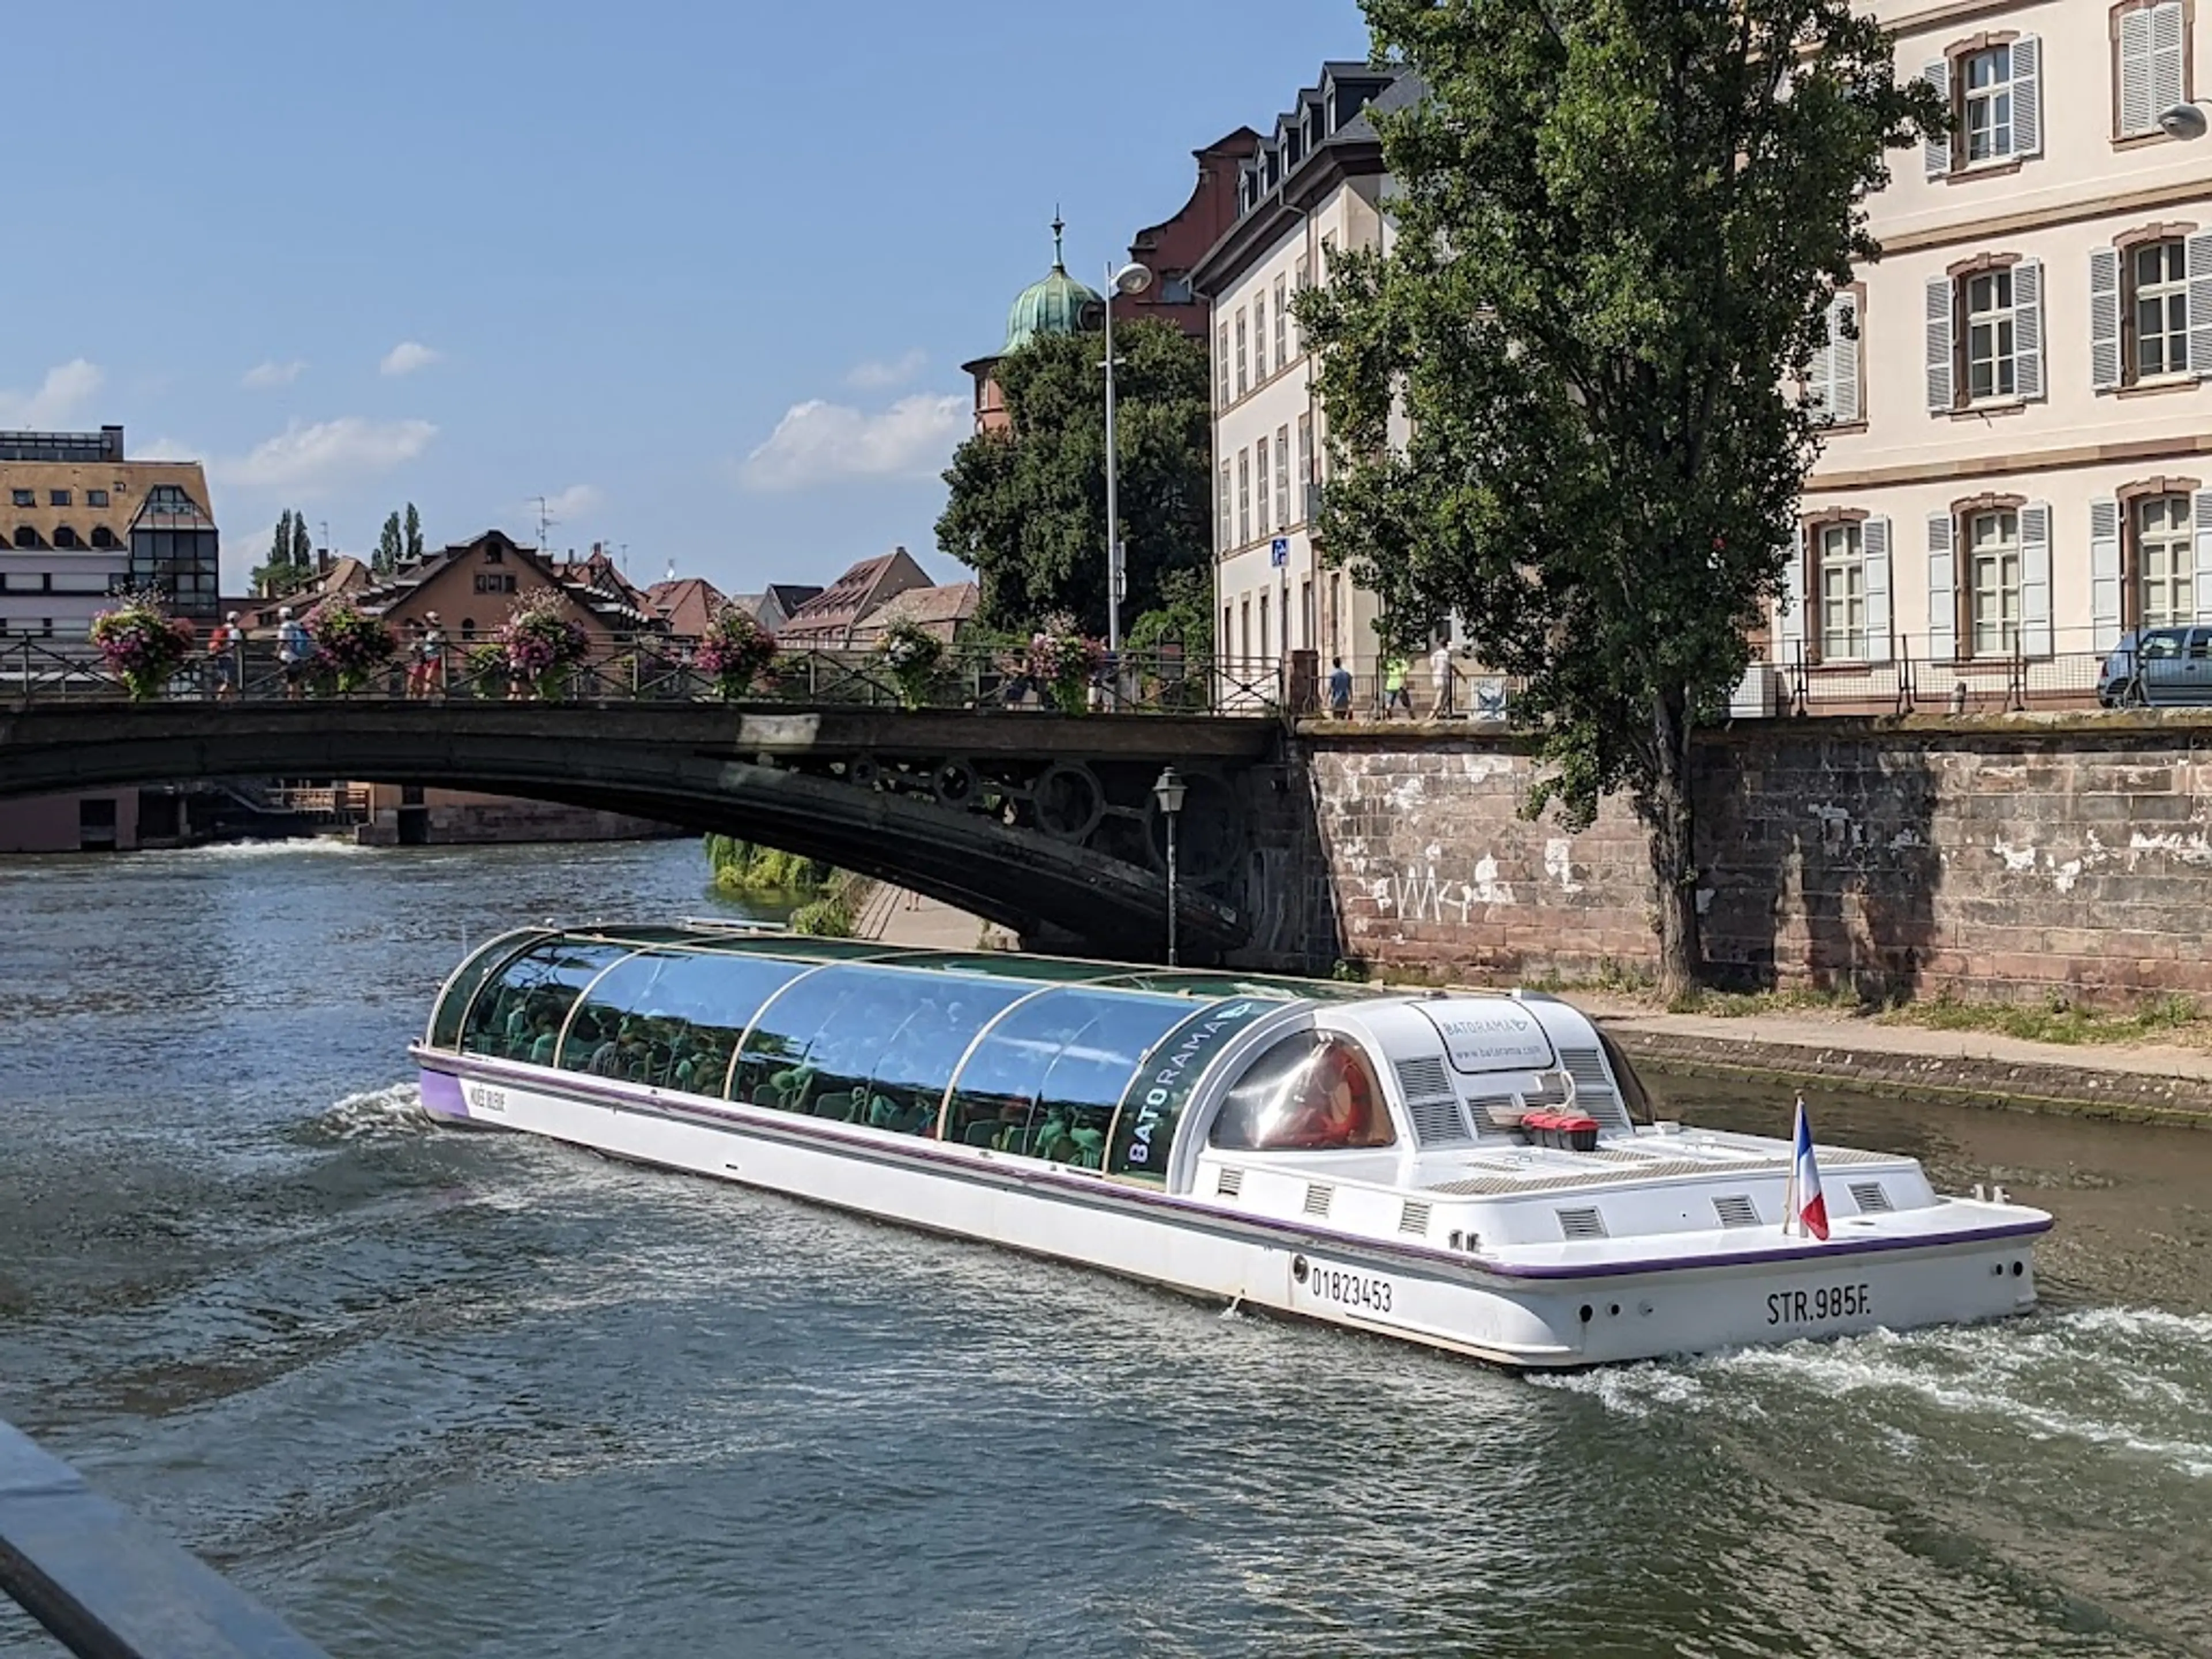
[224, 645]
[295, 651]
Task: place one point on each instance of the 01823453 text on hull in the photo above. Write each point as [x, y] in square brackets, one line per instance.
[1475, 1173]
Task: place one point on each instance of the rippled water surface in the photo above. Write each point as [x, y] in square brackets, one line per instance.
[438, 1394]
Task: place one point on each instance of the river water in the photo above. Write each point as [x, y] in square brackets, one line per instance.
[432, 1393]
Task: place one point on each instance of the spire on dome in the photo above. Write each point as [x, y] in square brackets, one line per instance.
[1058, 227]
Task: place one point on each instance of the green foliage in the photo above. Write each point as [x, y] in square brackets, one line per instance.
[390, 545]
[413, 534]
[744, 867]
[303, 548]
[1183, 616]
[2170, 1019]
[1028, 505]
[913, 655]
[291, 562]
[1617, 234]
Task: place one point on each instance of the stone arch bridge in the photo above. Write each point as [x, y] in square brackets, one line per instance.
[1043, 823]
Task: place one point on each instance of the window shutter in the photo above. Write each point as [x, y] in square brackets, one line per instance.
[2201, 521]
[2027, 96]
[1793, 601]
[1821, 373]
[1873, 541]
[2104, 574]
[2200, 304]
[1940, 369]
[2138, 113]
[2028, 328]
[1844, 360]
[2035, 579]
[2105, 314]
[2169, 75]
[1942, 591]
[1937, 154]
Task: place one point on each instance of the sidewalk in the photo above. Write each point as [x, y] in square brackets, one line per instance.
[2147, 1083]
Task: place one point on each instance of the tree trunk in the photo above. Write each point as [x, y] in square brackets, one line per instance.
[1669, 815]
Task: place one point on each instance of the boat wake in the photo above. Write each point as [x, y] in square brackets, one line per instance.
[2125, 1382]
[390, 1113]
[224, 852]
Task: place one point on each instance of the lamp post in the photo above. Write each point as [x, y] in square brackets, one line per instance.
[1132, 278]
[2184, 120]
[1168, 792]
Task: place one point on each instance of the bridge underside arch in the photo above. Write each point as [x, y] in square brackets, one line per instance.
[1039, 885]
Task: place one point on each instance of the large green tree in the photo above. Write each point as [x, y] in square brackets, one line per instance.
[1619, 224]
[390, 547]
[1028, 505]
[413, 548]
[289, 563]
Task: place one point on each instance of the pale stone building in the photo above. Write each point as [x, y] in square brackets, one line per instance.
[2020, 464]
[1314, 187]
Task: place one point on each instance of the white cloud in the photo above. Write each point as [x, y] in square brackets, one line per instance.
[818, 442]
[306, 458]
[65, 390]
[877, 374]
[576, 501]
[408, 356]
[262, 377]
[164, 449]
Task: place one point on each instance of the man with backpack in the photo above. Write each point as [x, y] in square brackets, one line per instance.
[224, 645]
[295, 651]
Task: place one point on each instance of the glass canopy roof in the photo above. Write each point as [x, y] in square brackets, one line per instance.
[1038, 1056]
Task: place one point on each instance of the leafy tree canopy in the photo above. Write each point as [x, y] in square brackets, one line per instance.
[1028, 505]
[1618, 226]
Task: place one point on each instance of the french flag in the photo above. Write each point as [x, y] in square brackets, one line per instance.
[1803, 1209]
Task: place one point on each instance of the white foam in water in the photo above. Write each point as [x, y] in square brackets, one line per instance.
[224, 851]
[380, 1115]
[2008, 1373]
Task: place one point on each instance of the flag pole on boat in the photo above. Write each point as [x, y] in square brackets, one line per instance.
[1804, 1211]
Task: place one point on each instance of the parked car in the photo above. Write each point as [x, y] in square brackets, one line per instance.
[2158, 666]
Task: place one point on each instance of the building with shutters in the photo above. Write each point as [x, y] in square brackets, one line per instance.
[2020, 463]
[1312, 187]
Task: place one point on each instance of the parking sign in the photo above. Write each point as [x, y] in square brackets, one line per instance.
[1279, 551]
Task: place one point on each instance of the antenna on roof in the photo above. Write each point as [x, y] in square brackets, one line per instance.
[545, 522]
[671, 576]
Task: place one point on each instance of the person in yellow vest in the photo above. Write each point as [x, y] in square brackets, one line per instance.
[1394, 694]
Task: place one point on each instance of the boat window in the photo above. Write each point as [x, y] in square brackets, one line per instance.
[918, 1062]
[1045, 1081]
[1151, 1111]
[814, 1049]
[1633, 1095]
[1311, 1092]
[446, 1018]
[520, 1013]
[673, 1019]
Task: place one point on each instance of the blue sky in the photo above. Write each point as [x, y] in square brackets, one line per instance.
[701, 274]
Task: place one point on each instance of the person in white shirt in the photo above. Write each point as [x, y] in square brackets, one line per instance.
[1440, 671]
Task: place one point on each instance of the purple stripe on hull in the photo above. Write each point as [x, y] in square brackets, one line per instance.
[442, 1096]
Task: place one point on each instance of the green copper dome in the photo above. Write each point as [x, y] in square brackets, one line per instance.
[1054, 305]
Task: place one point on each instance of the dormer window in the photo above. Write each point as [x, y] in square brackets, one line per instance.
[495, 554]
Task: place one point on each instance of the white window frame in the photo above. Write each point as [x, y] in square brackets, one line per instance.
[1282, 322]
[1832, 386]
[2002, 320]
[1993, 606]
[1260, 467]
[1221, 369]
[1841, 561]
[1259, 338]
[2177, 546]
[1228, 525]
[1243, 356]
[1996, 97]
[1305, 468]
[2152, 68]
[1282, 475]
[2172, 290]
[1244, 498]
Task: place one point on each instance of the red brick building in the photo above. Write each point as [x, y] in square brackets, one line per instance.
[1172, 249]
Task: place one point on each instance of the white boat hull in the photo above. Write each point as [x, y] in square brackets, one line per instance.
[1553, 1315]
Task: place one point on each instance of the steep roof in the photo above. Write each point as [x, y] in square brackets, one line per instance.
[829, 617]
[687, 604]
[951, 603]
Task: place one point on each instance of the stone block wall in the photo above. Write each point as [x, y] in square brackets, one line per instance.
[2010, 856]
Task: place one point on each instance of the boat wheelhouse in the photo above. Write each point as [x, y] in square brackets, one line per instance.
[1475, 1172]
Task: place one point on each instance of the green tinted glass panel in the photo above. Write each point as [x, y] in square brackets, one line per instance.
[672, 1019]
[945, 1016]
[519, 1014]
[814, 1048]
[1145, 1131]
[1044, 1080]
[454, 1004]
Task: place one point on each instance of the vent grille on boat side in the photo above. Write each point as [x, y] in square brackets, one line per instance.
[1593, 1088]
[1318, 1198]
[1415, 1218]
[1872, 1198]
[1580, 1224]
[1736, 1211]
[1423, 1078]
[1497, 1111]
[1436, 1122]
[1227, 1183]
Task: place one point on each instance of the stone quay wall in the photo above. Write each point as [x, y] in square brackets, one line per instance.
[2016, 857]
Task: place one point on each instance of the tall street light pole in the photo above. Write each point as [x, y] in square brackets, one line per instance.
[1169, 791]
[1132, 278]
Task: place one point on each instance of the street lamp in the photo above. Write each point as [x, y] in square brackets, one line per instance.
[1132, 278]
[2183, 121]
[1168, 792]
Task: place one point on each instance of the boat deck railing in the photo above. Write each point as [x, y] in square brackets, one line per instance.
[107, 1586]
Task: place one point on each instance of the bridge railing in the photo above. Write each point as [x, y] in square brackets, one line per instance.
[649, 669]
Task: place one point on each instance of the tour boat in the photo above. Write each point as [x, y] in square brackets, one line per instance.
[1480, 1173]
